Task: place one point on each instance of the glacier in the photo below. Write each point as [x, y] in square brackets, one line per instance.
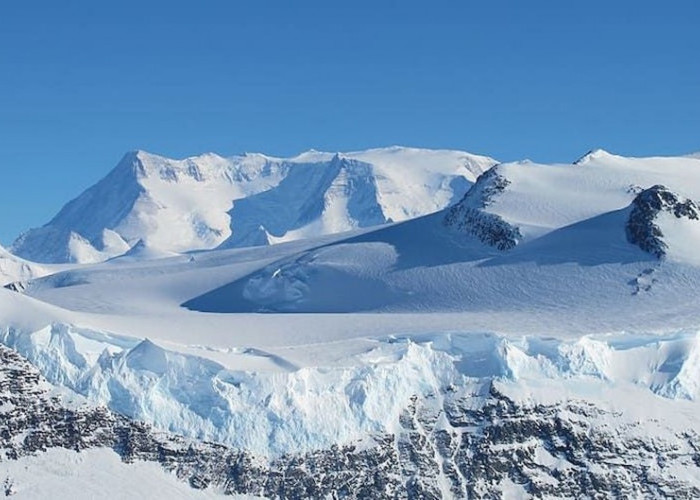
[479, 442]
[299, 409]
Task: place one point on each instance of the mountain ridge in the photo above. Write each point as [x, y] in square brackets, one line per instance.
[185, 205]
[515, 343]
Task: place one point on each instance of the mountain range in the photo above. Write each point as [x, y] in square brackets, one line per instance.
[396, 323]
[208, 202]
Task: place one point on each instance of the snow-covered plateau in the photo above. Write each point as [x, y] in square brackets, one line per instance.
[392, 323]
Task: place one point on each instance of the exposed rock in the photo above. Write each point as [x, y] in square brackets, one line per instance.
[448, 445]
[17, 286]
[642, 229]
[468, 216]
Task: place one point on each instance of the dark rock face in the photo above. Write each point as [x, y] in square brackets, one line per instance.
[448, 445]
[491, 229]
[16, 286]
[641, 228]
[489, 185]
[468, 216]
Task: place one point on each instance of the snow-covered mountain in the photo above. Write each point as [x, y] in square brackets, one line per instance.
[525, 237]
[536, 338]
[538, 199]
[208, 201]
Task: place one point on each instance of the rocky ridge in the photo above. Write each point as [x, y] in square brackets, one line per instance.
[468, 216]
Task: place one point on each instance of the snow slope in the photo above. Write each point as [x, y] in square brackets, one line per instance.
[13, 268]
[98, 473]
[531, 291]
[510, 245]
[541, 198]
[206, 201]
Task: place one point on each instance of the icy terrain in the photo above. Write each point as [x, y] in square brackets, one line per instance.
[65, 474]
[510, 246]
[208, 201]
[284, 408]
[485, 437]
[547, 313]
[13, 268]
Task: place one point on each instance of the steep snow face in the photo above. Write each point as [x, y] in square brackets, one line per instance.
[411, 182]
[172, 205]
[313, 199]
[288, 409]
[207, 201]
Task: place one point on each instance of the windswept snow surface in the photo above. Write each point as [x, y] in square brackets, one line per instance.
[573, 310]
[13, 268]
[569, 251]
[208, 201]
[99, 473]
[542, 198]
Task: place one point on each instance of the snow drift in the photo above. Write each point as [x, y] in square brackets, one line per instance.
[13, 268]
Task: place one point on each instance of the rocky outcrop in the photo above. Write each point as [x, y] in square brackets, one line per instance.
[491, 229]
[469, 215]
[642, 229]
[478, 445]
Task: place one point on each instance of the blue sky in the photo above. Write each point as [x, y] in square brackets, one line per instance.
[81, 82]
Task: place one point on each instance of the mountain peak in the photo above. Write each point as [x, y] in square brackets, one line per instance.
[339, 158]
[180, 205]
[593, 154]
[130, 164]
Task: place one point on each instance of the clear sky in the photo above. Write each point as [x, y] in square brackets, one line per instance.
[81, 82]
